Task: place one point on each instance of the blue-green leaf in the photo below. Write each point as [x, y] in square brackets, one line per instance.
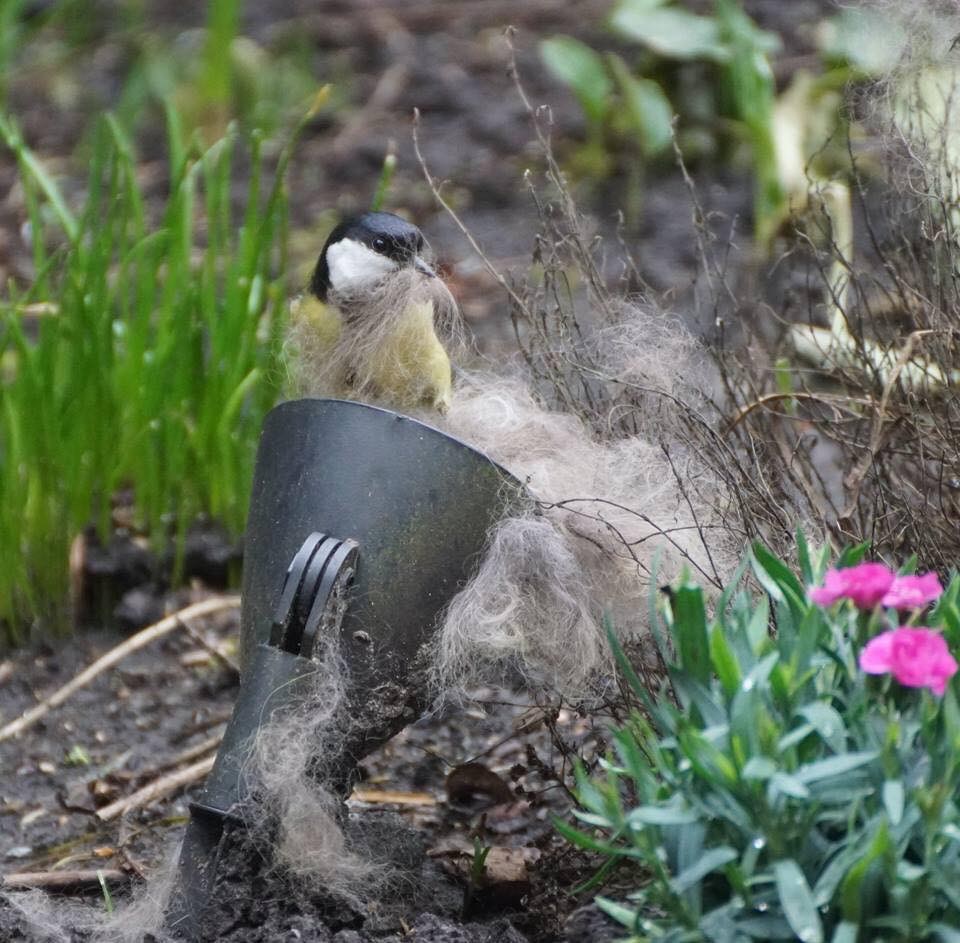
[835, 765]
[628, 916]
[945, 933]
[893, 800]
[845, 932]
[766, 928]
[581, 68]
[789, 786]
[647, 107]
[797, 901]
[710, 861]
[661, 815]
[759, 767]
[827, 722]
[778, 579]
[690, 631]
[724, 661]
[670, 31]
[851, 891]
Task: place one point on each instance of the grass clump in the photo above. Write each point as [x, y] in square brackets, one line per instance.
[800, 785]
[144, 354]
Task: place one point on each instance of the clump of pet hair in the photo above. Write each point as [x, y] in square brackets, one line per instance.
[655, 368]
[350, 365]
[48, 919]
[297, 814]
[610, 516]
[42, 919]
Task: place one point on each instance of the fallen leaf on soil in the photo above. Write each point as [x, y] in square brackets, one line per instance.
[32, 817]
[509, 865]
[474, 779]
[505, 870]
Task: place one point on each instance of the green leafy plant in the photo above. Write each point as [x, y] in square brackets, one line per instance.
[155, 359]
[730, 97]
[795, 784]
[615, 102]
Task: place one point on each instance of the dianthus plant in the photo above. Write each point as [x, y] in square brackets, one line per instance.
[797, 776]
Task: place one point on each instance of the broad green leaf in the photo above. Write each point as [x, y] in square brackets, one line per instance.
[803, 558]
[696, 694]
[631, 755]
[851, 556]
[766, 928]
[711, 764]
[647, 107]
[759, 767]
[778, 579]
[827, 723]
[31, 167]
[710, 861]
[670, 31]
[758, 675]
[661, 815]
[944, 933]
[832, 874]
[909, 873]
[718, 926]
[893, 800]
[684, 844]
[628, 916]
[951, 717]
[724, 661]
[835, 765]
[789, 786]
[797, 901]
[583, 69]
[845, 932]
[757, 627]
[585, 840]
[851, 890]
[690, 631]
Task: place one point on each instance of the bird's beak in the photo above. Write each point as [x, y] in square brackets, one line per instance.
[423, 268]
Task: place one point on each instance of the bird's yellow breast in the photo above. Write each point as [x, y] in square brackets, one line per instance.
[407, 368]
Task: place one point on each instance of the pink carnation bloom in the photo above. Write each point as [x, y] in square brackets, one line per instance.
[917, 658]
[866, 584]
[913, 592]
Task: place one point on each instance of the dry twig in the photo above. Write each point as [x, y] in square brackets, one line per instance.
[114, 656]
[65, 881]
[158, 789]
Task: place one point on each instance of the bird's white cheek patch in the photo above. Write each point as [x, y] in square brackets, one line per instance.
[353, 266]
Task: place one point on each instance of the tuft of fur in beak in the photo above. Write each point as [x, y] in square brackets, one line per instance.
[374, 324]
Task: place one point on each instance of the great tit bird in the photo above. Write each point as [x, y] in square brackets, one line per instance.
[366, 327]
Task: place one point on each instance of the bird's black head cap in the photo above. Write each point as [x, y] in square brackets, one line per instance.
[385, 233]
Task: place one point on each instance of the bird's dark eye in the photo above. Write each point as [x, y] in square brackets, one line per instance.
[379, 244]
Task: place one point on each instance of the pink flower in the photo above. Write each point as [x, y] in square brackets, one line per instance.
[917, 658]
[913, 592]
[866, 584]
